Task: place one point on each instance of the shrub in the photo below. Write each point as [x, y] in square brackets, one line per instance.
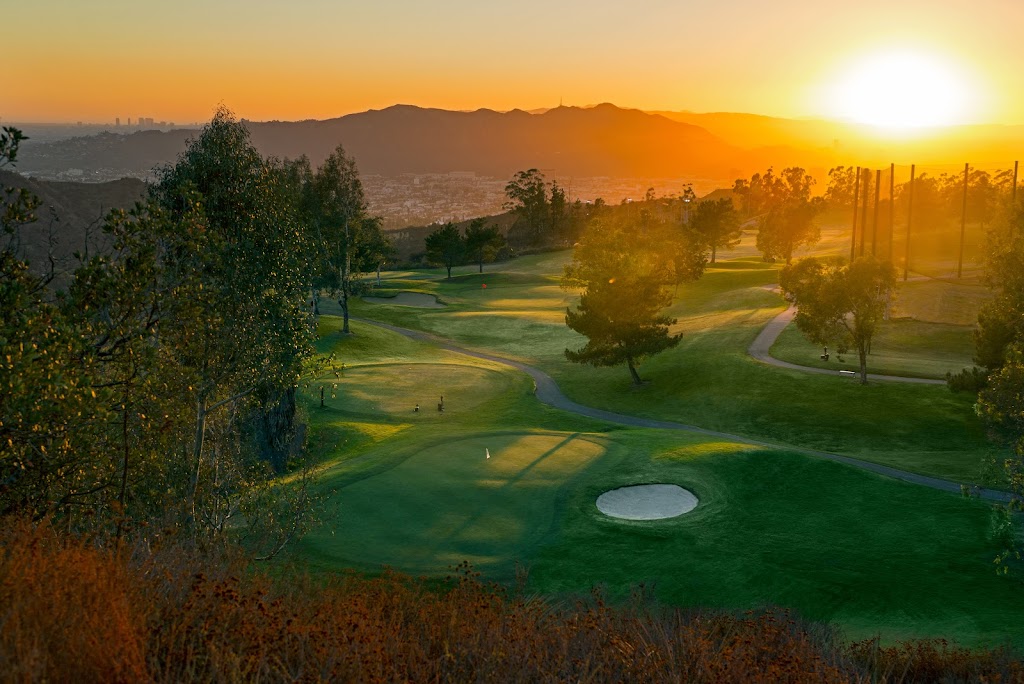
[971, 380]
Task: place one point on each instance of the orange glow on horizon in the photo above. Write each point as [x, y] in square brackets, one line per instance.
[317, 59]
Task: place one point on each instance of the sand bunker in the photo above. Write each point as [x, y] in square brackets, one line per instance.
[418, 299]
[647, 502]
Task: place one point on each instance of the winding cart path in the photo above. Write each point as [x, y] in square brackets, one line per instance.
[548, 392]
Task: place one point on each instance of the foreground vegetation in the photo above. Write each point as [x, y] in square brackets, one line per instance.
[169, 616]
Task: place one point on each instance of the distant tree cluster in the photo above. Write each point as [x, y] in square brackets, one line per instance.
[160, 385]
[346, 242]
[544, 216]
[447, 247]
[784, 208]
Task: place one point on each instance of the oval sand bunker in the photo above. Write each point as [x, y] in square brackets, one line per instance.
[417, 299]
[647, 502]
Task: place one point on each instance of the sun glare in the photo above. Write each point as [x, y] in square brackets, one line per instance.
[903, 90]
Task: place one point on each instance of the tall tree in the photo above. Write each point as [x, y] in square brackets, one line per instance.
[625, 272]
[840, 303]
[247, 332]
[483, 242]
[527, 198]
[348, 242]
[999, 342]
[716, 224]
[788, 221]
[558, 212]
[841, 182]
[446, 247]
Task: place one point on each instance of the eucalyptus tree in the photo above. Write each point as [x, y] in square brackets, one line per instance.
[527, 198]
[789, 212]
[716, 224]
[240, 282]
[348, 242]
[840, 303]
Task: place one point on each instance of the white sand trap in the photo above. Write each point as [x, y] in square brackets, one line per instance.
[418, 299]
[647, 502]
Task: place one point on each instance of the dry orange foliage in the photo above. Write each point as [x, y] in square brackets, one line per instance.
[73, 611]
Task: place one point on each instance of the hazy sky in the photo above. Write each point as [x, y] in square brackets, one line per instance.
[93, 60]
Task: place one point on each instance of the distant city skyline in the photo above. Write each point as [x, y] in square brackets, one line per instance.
[315, 59]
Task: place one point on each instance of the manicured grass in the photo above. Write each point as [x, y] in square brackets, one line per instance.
[899, 347]
[416, 492]
[870, 554]
[942, 301]
[709, 380]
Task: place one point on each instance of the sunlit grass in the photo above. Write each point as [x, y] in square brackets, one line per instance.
[900, 347]
[710, 381]
[835, 543]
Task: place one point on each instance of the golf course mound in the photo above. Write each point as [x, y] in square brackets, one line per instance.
[646, 502]
[417, 299]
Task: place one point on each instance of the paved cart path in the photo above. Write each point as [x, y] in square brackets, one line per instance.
[547, 392]
[760, 349]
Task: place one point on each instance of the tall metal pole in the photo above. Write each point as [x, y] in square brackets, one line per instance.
[864, 212]
[874, 224]
[963, 226]
[892, 203]
[1013, 199]
[910, 217]
[853, 234]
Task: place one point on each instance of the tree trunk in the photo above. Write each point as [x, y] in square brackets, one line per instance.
[863, 353]
[449, 272]
[123, 494]
[481, 265]
[632, 372]
[345, 280]
[714, 249]
[343, 303]
[197, 456]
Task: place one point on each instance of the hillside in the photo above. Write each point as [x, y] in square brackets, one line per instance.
[68, 213]
[569, 141]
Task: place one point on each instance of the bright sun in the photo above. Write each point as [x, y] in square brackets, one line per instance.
[902, 90]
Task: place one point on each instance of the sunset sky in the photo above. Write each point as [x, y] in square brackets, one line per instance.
[70, 60]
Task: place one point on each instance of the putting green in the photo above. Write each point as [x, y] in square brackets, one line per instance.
[447, 503]
[396, 388]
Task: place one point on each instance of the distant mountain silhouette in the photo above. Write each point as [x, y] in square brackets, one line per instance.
[564, 142]
[568, 141]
